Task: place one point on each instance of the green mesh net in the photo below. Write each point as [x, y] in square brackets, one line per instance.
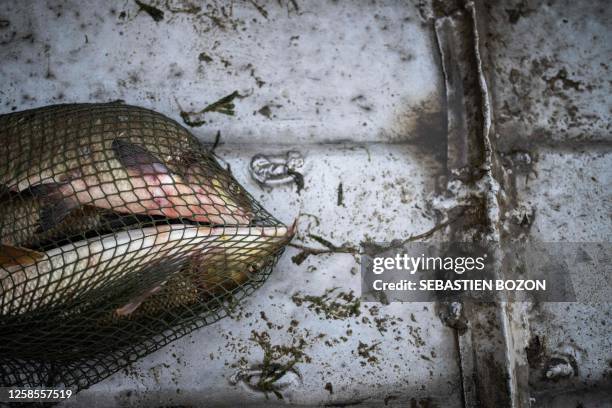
[119, 234]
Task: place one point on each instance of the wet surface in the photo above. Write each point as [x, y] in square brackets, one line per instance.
[326, 112]
[550, 71]
[551, 80]
[337, 115]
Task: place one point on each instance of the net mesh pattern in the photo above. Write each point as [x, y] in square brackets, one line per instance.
[119, 234]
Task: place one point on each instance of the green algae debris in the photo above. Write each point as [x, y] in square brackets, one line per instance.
[332, 304]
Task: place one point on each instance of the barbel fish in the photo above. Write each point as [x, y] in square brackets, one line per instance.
[31, 281]
[117, 157]
[208, 276]
[20, 220]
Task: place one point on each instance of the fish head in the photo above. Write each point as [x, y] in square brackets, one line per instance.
[190, 185]
[226, 201]
[228, 258]
[238, 256]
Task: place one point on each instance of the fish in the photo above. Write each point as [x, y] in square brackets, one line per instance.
[33, 281]
[205, 280]
[20, 217]
[116, 157]
[236, 257]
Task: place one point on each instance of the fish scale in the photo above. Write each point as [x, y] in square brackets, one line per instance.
[20, 216]
[119, 232]
[79, 148]
[76, 269]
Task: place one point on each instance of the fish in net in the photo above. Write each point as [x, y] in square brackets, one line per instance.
[119, 233]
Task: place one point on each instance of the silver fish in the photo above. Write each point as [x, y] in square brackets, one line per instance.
[31, 281]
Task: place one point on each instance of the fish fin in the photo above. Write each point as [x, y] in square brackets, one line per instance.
[135, 303]
[47, 191]
[137, 159]
[55, 207]
[11, 255]
[53, 213]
